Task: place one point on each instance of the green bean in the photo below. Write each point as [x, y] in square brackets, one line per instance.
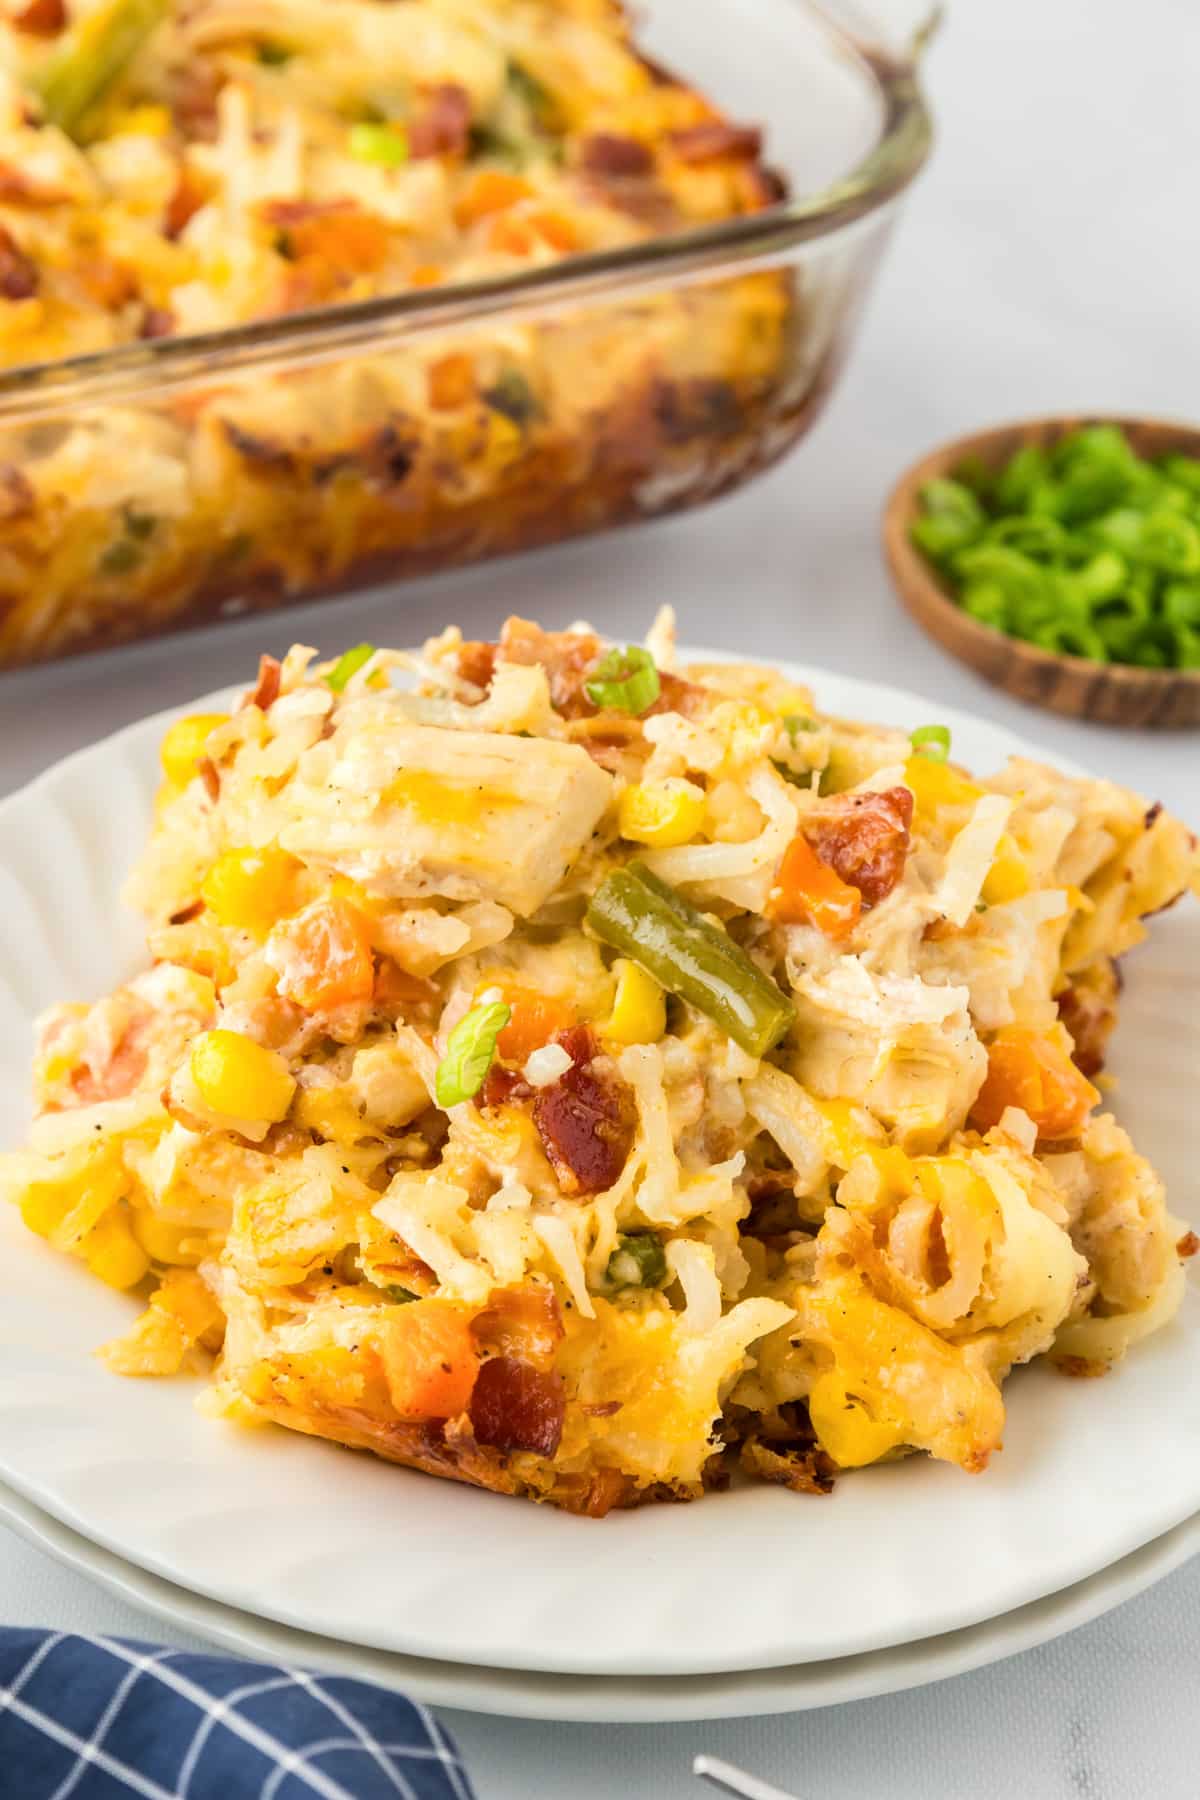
[92, 57]
[646, 920]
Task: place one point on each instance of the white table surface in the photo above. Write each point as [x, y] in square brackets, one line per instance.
[1049, 260]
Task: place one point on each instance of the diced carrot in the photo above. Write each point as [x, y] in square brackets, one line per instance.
[426, 275]
[489, 191]
[324, 956]
[512, 234]
[429, 1359]
[451, 382]
[555, 228]
[809, 892]
[535, 1019]
[346, 239]
[1033, 1071]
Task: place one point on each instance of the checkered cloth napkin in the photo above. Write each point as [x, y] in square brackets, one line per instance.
[97, 1718]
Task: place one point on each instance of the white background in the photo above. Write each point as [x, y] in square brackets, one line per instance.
[1048, 261]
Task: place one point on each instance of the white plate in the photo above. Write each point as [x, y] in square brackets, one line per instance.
[304, 1534]
[617, 1700]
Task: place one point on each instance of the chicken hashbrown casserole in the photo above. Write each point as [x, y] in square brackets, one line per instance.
[174, 167]
[574, 1075]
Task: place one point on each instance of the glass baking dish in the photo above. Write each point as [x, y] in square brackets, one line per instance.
[185, 479]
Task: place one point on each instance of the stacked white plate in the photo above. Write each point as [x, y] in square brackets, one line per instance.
[754, 1600]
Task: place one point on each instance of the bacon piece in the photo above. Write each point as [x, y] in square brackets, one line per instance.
[678, 696]
[477, 662]
[585, 1120]
[187, 913]
[17, 498]
[18, 273]
[566, 657]
[521, 1322]
[502, 1087]
[443, 125]
[42, 18]
[714, 138]
[1187, 1246]
[265, 691]
[606, 153]
[193, 87]
[186, 199]
[157, 322]
[517, 1407]
[804, 1471]
[864, 838]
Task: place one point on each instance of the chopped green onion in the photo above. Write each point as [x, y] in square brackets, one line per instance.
[400, 1296]
[624, 681]
[348, 664]
[386, 145]
[470, 1049]
[637, 1261]
[1081, 547]
[274, 56]
[794, 723]
[932, 741]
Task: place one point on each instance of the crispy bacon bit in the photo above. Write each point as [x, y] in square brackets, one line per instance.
[566, 657]
[157, 322]
[864, 839]
[187, 913]
[187, 197]
[1187, 1246]
[193, 87]
[714, 138]
[443, 125]
[1150, 818]
[677, 696]
[606, 153]
[16, 493]
[502, 1087]
[477, 662]
[18, 273]
[265, 691]
[42, 18]
[605, 1410]
[521, 1322]
[585, 1120]
[517, 1407]
[804, 1471]
[207, 770]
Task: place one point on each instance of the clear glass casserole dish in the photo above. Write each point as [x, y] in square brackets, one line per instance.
[166, 483]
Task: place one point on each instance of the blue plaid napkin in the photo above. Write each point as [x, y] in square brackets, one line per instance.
[97, 1718]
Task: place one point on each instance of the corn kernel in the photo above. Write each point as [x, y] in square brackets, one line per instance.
[1008, 877]
[661, 813]
[252, 889]
[111, 1251]
[239, 1078]
[163, 1242]
[183, 746]
[639, 1014]
[844, 1426]
[935, 784]
[331, 1114]
[145, 121]
[43, 1205]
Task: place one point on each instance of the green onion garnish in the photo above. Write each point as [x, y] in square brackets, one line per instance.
[624, 681]
[348, 664]
[386, 145]
[794, 723]
[932, 741]
[637, 1261]
[470, 1049]
[1079, 547]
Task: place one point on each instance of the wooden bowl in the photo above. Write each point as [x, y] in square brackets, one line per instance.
[1110, 693]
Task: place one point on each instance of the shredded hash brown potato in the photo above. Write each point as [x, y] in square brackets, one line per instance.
[575, 1075]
